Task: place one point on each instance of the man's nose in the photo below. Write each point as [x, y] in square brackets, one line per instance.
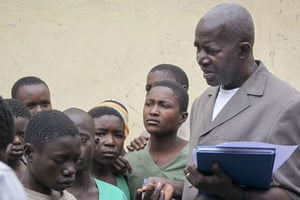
[202, 58]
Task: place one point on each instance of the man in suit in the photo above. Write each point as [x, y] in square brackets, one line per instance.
[244, 102]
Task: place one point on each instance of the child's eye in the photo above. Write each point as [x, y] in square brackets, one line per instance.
[20, 134]
[31, 106]
[76, 160]
[45, 105]
[212, 51]
[164, 105]
[119, 135]
[148, 104]
[148, 87]
[83, 140]
[58, 160]
[99, 134]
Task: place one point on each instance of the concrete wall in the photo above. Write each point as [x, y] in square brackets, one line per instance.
[92, 50]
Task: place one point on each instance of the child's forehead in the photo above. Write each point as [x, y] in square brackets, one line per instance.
[162, 92]
[160, 75]
[162, 89]
[38, 85]
[108, 117]
[81, 120]
[21, 118]
[61, 147]
[26, 90]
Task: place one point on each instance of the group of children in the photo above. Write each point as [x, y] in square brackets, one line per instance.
[74, 154]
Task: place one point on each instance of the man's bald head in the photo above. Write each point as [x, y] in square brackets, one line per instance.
[232, 20]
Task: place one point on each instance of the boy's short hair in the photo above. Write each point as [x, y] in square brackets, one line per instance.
[27, 80]
[18, 108]
[47, 126]
[100, 111]
[7, 132]
[173, 72]
[179, 91]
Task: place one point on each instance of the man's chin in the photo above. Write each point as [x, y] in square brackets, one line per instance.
[212, 83]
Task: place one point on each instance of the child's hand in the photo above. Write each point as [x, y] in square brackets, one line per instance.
[14, 152]
[121, 166]
[138, 143]
[154, 191]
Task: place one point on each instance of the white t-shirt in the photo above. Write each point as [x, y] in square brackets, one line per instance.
[10, 186]
[223, 97]
[33, 195]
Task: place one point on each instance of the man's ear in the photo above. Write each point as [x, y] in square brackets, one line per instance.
[184, 116]
[28, 152]
[245, 49]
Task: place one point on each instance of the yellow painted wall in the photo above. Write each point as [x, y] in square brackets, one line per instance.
[91, 50]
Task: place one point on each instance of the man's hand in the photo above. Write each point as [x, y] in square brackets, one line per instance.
[217, 183]
[220, 184]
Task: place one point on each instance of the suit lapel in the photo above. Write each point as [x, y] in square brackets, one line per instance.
[240, 101]
[234, 106]
[209, 106]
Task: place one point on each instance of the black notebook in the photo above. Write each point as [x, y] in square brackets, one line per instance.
[246, 166]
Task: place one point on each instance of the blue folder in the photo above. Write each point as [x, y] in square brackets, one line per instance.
[249, 167]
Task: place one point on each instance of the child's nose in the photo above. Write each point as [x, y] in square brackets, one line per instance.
[69, 170]
[17, 140]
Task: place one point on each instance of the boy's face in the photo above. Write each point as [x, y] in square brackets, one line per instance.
[35, 97]
[156, 76]
[15, 151]
[85, 126]
[162, 113]
[109, 131]
[55, 165]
